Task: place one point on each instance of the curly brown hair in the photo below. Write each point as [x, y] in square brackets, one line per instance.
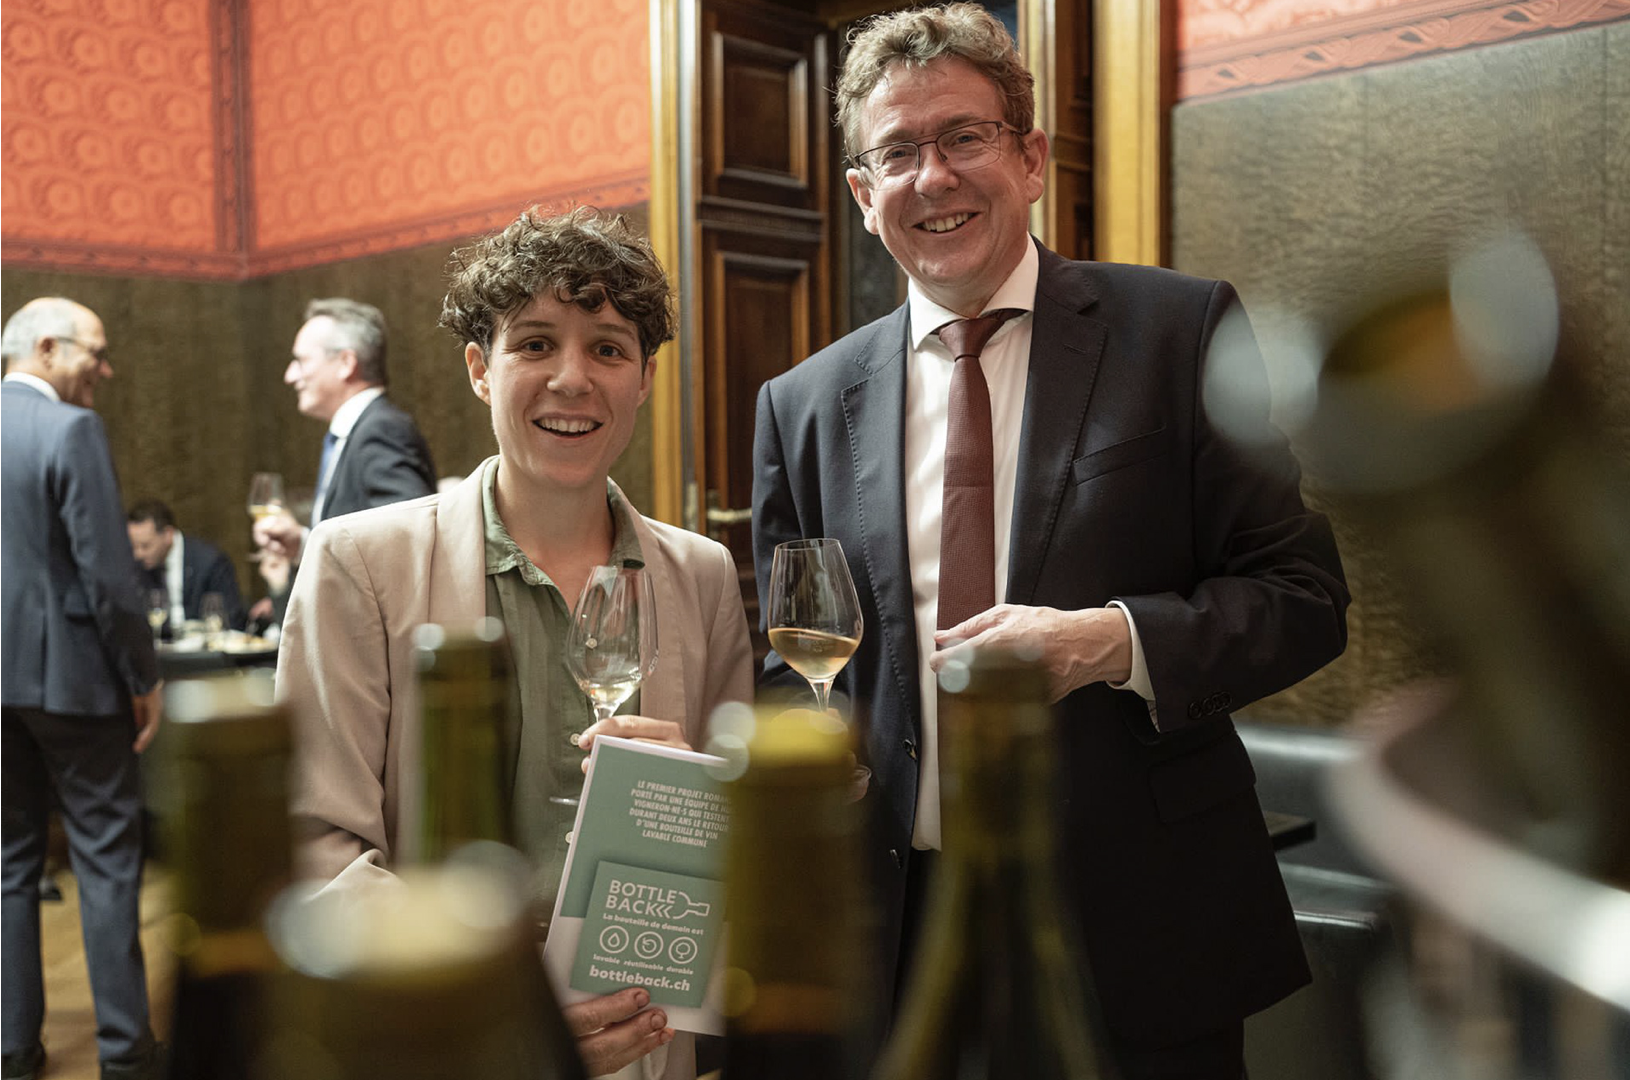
[586, 256]
[919, 36]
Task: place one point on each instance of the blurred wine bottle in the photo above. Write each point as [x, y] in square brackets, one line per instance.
[999, 987]
[1456, 423]
[461, 808]
[796, 1006]
[223, 801]
[464, 689]
[436, 977]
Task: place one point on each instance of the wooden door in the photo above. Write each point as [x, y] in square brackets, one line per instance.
[750, 229]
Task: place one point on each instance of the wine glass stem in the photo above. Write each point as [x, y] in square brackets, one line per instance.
[823, 691]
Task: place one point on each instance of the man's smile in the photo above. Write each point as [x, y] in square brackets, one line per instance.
[945, 224]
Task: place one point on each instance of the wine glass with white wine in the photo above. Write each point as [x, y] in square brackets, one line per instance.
[158, 610]
[613, 642]
[815, 622]
[265, 499]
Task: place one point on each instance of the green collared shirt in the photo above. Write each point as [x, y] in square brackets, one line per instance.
[547, 706]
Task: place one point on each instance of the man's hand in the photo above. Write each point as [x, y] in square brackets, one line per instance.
[280, 534]
[643, 728]
[1075, 647]
[611, 1031]
[148, 708]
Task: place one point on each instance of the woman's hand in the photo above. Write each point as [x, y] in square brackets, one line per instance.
[612, 1030]
[644, 728]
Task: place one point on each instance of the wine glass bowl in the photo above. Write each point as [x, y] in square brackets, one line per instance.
[613, 641]
[815, 622]
[265, 495]
[266, 499]
[612, 645]
[212, 610]
[158, 610]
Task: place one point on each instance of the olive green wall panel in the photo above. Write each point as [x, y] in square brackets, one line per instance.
[1310, 196]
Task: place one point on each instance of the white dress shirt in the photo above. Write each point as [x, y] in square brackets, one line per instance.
[1005, 362]
[345, 419]
[174, 581]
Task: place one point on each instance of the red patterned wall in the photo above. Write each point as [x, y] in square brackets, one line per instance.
[380, 123]
[109, 144]
[1230, 45]
[228, 138]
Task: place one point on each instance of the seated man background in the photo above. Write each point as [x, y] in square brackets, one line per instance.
[558, 318]
[187, 568]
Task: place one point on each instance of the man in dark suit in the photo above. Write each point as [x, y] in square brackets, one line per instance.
[373, 453]
[81, 692]
[1068, 495]
[186, 568]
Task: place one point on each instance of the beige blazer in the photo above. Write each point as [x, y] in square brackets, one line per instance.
[345, 667]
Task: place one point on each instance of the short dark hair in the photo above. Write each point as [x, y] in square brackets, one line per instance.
[585, 256]
[916, 38]
[151, 510]
[359, 327]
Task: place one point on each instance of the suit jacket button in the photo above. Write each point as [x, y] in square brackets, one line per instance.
[1225, 700]
[911, 749]
[1194, 710]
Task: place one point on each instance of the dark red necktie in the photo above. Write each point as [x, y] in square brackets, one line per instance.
[968, 517]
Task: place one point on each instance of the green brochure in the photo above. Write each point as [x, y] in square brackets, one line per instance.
[641, 898]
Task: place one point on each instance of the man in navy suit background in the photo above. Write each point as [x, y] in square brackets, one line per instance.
[187, 568]
[80, 683]
[1163, 575]
[373, 453]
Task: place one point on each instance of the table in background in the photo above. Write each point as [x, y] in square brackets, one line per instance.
[190, 663]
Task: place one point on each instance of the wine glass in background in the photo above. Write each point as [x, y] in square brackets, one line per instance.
[815, 622]
[265, 499]
[265, 495]
[158, 610]
[613, 642]
[212, 610]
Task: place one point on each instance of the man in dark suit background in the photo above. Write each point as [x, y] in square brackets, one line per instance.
[187, 568]
[373, 453]
[1096, 518]
[81, 691]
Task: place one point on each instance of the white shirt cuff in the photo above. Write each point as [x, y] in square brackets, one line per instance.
[1138, 681]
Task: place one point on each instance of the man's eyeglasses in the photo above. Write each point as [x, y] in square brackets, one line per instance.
[971, 146]
[99, 355]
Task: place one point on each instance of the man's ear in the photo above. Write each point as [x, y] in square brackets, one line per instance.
[348, 364]
[1035, 148]
[863, 198]
[476, 361]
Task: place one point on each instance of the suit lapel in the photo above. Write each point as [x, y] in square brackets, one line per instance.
[1066, 346]
[874, 411]
[458, 564]
[663, 691]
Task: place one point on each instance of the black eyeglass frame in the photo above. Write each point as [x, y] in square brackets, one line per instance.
[859, 161]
